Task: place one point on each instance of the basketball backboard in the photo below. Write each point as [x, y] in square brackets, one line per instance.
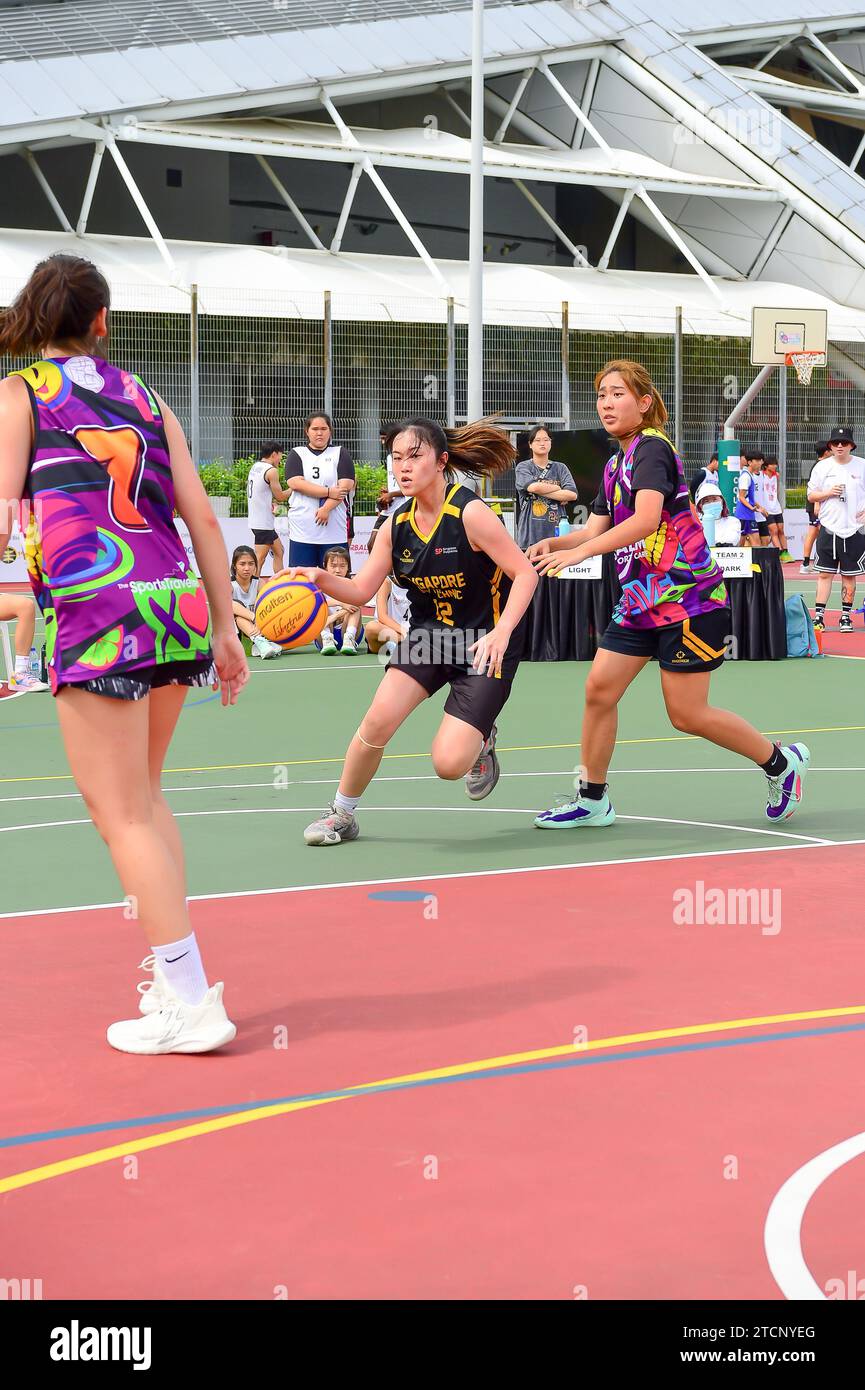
[777, 332]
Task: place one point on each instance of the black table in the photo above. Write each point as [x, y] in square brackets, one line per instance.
[567, 616]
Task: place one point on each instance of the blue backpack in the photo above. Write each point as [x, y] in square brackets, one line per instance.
[801, 640]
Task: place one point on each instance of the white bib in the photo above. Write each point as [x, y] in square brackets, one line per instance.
[259, 498]
[302, 526]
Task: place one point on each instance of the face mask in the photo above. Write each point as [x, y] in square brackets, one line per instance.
[714, 510]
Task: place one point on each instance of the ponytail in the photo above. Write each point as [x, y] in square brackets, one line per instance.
[57, 305]
[478, 449]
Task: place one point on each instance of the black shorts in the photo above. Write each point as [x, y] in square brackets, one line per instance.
[763, 527]
[776, 518]
[844, 553]
[136, 684]
[264, 537]
[695, 645]
[811, 509]
[478, 700]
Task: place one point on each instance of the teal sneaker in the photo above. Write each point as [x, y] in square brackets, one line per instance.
[569, 815]
[785, 791]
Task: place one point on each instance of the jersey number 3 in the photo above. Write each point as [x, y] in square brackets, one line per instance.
[121, 451]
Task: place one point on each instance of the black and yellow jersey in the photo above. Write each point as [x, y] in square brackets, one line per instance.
[450, 586]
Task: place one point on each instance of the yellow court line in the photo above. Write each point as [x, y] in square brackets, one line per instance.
[517, 748]
[174, 1136]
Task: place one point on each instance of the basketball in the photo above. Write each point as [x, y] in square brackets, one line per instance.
[291, 612]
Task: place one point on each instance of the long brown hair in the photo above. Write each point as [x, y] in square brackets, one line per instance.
[479, 448]
[639, 383]
[57, 305]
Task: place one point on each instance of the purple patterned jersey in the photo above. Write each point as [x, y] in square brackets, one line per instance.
[106, 564]
[670, 576]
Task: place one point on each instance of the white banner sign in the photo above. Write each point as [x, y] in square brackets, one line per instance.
[586, 569]
[235, 532]
[733, 562]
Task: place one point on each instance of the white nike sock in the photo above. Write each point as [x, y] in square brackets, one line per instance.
[348, 804]
[22, 665]
[180, 963]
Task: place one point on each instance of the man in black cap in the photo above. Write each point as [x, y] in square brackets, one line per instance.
[838, 484]
[813, 509]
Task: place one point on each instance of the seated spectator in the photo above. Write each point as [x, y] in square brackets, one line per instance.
[391, 621]
[719, 527]
[544, 488]
[343, 630]
[244, 592]
[21, 610]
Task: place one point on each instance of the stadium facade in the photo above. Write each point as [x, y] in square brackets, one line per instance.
[638, 158]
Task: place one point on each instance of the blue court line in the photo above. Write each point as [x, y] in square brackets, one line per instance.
[52, 723]
[375, 1088]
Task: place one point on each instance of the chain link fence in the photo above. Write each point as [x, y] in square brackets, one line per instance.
[240, 367]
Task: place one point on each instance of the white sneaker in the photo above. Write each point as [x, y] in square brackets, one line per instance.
[349, 646]
[176, 1027]
[154, 992]
[328, 645]
[263, 648]
[25, 685]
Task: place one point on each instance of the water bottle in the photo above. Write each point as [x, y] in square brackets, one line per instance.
[33, 664]
[563, 527]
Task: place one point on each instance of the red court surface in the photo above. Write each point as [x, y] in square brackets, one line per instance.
[636, 1169]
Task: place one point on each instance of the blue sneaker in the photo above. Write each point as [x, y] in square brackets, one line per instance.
[568, 815]
[785, 791]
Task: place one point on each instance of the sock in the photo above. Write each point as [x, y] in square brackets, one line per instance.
[180, 963]
[22, 665]
[819, 610]
[592, 791]
[847, 608]
[776, 764]
[348, 804]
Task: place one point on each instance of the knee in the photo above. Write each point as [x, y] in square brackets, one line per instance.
[687, 721]
[598, 693]
[447, 765]
[375, 730]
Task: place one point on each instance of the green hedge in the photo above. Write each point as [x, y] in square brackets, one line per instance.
[221, 479]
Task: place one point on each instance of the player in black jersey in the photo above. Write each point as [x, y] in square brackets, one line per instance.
[469, 586]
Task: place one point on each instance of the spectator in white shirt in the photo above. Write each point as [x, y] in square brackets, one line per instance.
[838, 484]
[719, 527]
[244, 594]
[813, 509]
[320, 477]
[263, 490]
[774, 505]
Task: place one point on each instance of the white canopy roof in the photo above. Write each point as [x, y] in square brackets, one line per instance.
[260, 281]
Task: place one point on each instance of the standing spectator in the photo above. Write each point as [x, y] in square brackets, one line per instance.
[320, 478]
[543, 489]
[262, 490]
[703, 475]
[774, 505]
[839, 486]
[748, 510]
[813, 509]
[391, 494]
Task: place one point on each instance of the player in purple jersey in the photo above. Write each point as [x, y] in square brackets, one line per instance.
[673, 605]
[98, 463]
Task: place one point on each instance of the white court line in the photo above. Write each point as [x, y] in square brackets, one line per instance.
[415, 777]
[446, 877]
[446, 810]
[782, 1234]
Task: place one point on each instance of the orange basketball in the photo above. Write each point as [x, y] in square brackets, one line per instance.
[291, 612]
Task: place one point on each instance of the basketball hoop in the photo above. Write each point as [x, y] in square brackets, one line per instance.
[805, 362]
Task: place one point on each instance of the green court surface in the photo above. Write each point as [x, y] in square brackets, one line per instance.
[246, 780]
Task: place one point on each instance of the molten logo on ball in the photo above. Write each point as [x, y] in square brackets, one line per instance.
[290, 612]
